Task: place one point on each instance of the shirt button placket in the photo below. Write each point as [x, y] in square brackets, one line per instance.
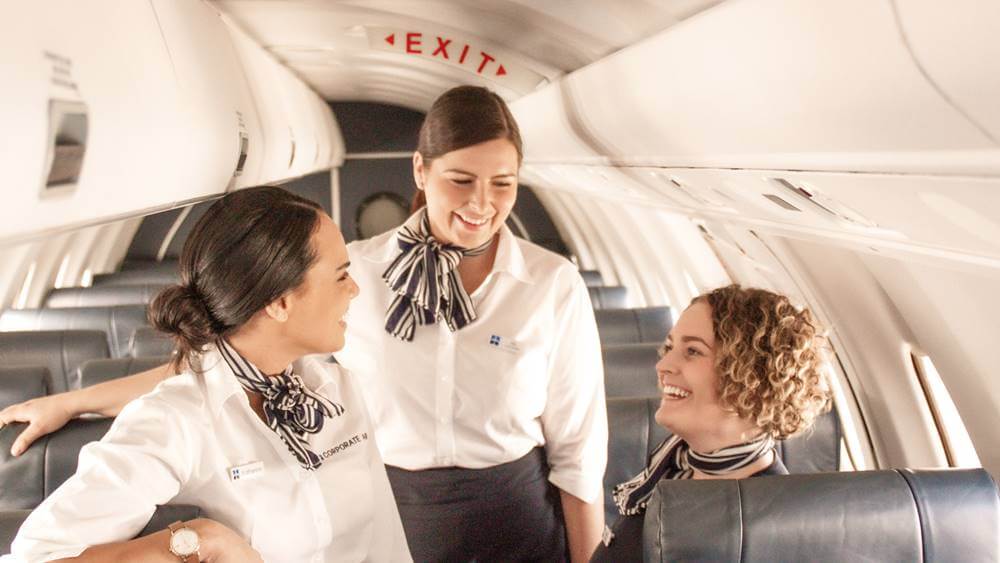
[445, 390]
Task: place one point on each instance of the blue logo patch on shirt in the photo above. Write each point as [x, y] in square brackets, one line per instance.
[494, 340]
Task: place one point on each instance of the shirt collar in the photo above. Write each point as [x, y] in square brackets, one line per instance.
[509, 257]
[220, 383]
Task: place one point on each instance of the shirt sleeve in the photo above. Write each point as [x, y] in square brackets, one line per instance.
[141, 462]
[575, 419]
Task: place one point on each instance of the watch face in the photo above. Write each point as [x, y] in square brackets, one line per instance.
[184, 542]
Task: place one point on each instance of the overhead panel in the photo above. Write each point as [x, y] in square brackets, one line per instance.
[825, 86]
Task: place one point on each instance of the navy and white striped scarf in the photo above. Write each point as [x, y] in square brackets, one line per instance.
[425, 282]
[674, 459]
[290, 408]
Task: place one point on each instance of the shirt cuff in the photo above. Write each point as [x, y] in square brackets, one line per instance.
[587, 488]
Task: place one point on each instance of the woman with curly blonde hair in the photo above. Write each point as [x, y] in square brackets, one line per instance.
[741, 370]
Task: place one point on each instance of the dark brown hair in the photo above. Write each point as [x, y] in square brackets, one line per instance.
[251, 247]
[462, 117]
[769, 359]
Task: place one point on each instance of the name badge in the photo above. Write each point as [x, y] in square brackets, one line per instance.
[246, 471]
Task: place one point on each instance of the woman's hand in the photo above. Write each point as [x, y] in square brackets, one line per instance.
[44, 415]
[220, 544]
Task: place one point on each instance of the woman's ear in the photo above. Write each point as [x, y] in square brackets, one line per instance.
[279, 309]
[418, 169]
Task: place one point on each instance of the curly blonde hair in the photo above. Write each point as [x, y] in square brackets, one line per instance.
[768, 358]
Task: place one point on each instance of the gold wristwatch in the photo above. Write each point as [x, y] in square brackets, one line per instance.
[184, 542]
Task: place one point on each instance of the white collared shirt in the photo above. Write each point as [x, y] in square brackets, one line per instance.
[195, 440]
[526, 373]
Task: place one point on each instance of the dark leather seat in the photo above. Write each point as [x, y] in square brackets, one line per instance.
[161, 273]
[102, 296]
[892, 515]
[59, 351]
[633, 433]
[99, 371]
[815, 450]
[22, 383]
[50, 460]
[147, 341]
[118, 322]
[608, 297]
[630, 370]
[632, 326]
[592, 278]
[11, 521]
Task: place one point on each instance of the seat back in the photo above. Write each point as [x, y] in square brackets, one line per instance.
[147, 341]
[118, 322]
[608, 297]
[22, 383]
[99, 371]
[161, 273]
[592, 278]
[817, 449]
[630, 370]
[632, 326]
[892, 515]
[632, 435]
[60, 351]
[101, 296]
[48, 461]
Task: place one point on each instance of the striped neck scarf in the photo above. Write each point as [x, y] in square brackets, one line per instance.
[291, 409]
[425, 281]
[674, 459]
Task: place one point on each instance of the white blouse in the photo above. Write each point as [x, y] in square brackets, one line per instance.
[526, 373]
[195, 440]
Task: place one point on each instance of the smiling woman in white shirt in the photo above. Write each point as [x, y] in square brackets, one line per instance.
[477, 353]
[284, 466]
[479, 357]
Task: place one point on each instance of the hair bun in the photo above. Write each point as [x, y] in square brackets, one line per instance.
[179, 311]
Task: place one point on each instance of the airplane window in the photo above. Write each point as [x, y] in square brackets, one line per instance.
[958, 445]
[380, 212]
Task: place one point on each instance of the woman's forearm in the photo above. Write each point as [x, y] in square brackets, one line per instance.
[110, 397]
[218, 544]
[584, 524]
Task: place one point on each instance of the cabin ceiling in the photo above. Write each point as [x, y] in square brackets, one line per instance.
[341, 48]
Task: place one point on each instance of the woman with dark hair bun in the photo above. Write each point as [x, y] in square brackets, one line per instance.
[480, 358]
[274, 446]
[477, 352]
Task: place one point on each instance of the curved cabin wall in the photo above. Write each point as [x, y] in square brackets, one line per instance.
[168, 90]
[859, 138]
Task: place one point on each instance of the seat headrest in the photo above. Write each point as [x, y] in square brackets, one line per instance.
[22, 383]
[99, 371]
[630, 370]
[162, 273]
[592, 278]
[817, 449]
[118, 322]
[147, 341]
[48, 461]
[608, 296]
[632, 326]
[102, 296]
[632, 435]
[61, 351]
[893, 515]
